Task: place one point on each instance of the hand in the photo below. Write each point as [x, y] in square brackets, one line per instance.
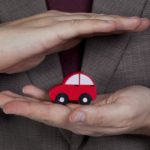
[126, 111]
[25, 43]
[36, 106]
[123, 112]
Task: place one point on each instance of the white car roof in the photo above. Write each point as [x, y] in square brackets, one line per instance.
[79, 79]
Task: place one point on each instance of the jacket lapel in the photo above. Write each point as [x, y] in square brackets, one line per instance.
[103, 54]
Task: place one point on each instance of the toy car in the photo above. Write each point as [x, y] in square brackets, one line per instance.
[76, 87]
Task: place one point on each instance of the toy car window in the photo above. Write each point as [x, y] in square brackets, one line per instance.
[85, 80]
[73, 80]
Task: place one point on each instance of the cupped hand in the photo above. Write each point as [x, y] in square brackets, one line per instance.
[25, 43]
[35, 105]
[126, 111]
[123, 112]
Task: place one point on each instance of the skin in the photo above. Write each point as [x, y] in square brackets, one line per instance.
[32, 39]
[123, 112]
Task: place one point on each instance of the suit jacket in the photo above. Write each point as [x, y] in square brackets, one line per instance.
[114, 62]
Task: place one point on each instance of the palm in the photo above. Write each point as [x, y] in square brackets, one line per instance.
[35, 105]
[111, 114]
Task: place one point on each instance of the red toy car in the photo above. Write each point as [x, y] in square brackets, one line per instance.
[77, 87]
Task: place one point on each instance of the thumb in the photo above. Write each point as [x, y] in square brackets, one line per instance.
[104, 116]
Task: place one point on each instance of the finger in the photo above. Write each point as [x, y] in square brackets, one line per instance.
[51, 13]
[145, 23]
[81, 131]
[40, 20]
[54, 115]
[46, 18]
[122, 23]
[9, 93]
[66, 30]
[99, 131]
[35, 92]
[134, 24]
[7, 96]
[78, 16]
[4, 99]
[79, 28]
[113, 115]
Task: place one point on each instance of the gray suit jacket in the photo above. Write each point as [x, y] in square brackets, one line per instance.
[114, 62]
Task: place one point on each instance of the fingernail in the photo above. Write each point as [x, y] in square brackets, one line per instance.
[6, 111]
[79, 117]
[12, 111]
[23, 90]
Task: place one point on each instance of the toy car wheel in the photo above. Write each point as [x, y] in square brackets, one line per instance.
[85, 99]
[62, 99]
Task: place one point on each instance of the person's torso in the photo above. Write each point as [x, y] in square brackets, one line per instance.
[113, 62]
